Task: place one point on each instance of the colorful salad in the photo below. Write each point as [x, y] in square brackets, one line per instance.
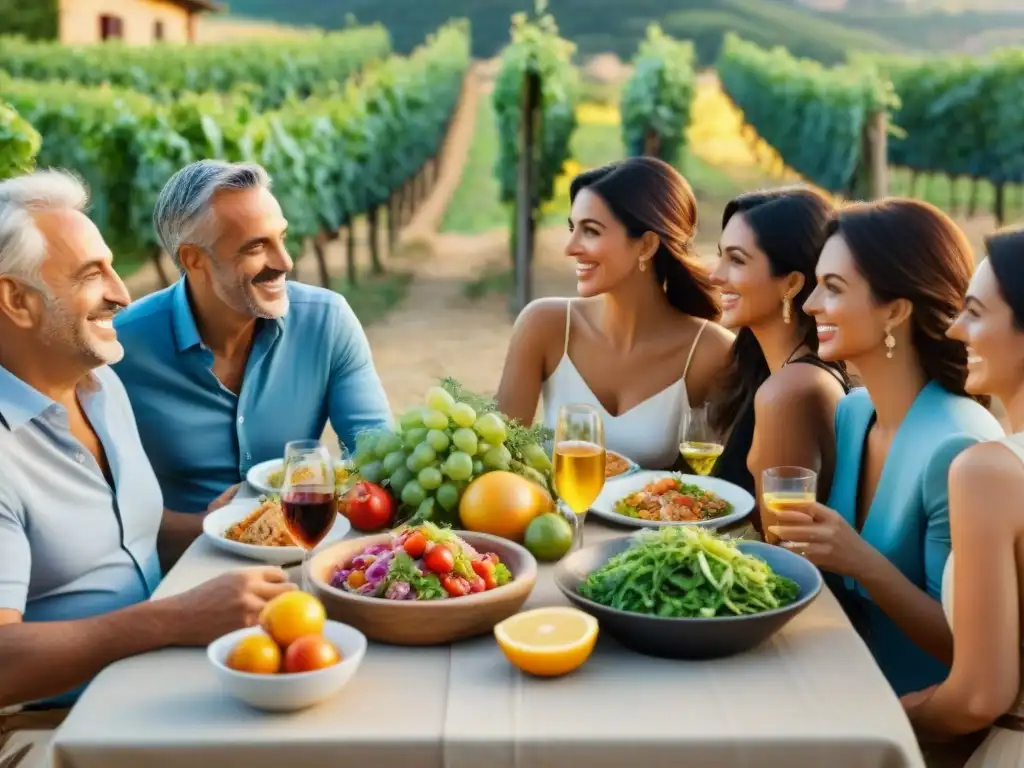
[671, 500]
[424, 562]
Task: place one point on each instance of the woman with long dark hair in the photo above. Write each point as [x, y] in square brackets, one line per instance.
[640, 344]
[984, 592]
[779, 399]
[890, 280]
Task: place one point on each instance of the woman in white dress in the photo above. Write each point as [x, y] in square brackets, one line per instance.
[985, 597]
[637, 345]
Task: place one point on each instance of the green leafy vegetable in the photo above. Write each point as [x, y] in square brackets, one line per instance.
[403, 568]
[687, 572]
[502, 575]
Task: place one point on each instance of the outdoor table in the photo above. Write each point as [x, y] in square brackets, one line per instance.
[811, 696]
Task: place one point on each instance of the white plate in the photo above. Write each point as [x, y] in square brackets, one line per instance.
[258, 474]
[631, 469]
[215, 523]
[617, 487]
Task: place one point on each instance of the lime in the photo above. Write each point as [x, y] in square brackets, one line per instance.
[548, 536]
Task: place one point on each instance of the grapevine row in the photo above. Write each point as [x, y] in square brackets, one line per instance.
[815, 117]
[269, 73]
[19, 142]
[656, 100]
[960, 115]
[536, 47]
[341, 154]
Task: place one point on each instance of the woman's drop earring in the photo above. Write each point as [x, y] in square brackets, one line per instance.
[787, 311]
[643, 265]
[890, 344]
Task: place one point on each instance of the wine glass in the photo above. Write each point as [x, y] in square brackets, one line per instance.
[579, 462]
[698, 443]
[307, 496]
[785, 488]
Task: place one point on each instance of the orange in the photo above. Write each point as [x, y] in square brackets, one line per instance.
[502, 504]
[290, 616]
[257, 654]
[547, 641]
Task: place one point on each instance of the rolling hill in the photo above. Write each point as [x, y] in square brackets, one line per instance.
[617, 26]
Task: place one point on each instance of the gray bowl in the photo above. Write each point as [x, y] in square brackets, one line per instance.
[688, 638]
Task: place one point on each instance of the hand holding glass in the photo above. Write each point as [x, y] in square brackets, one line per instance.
[307, 494]
[579, 461]
[698, 442]
[785, 488]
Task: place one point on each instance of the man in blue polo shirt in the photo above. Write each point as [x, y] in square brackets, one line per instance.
[233, 361]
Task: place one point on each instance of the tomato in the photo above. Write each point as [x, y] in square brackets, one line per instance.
[456, 586]
[415, 544]
[477, 584]
[484, 570]
[356, 579]
[368, 507]
[439, 559]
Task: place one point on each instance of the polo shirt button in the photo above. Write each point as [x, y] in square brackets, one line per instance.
[248, 457]
[80, 457]
[241, 419]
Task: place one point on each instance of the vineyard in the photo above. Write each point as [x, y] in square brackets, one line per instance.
[338, 146]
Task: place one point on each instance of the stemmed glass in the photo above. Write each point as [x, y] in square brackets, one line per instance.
[698, 443]
[784, 488]
[307, 496]
[580, 459]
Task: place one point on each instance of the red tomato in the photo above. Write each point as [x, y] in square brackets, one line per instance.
[491, 558]
[485, 570]
[477, 584]
[456, 586]
[368, 507]
[415, 544]
[439, 559]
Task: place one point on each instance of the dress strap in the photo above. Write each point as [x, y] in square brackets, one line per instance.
[568, 321]
[693, 348]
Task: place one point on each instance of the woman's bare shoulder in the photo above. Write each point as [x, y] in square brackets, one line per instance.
[798, 384]
[991, 476]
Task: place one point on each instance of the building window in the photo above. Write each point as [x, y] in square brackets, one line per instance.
[111, 27]
[158, 30]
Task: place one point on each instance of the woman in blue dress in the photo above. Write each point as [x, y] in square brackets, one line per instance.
[891, 278]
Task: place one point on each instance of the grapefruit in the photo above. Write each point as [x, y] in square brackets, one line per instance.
[502, 504]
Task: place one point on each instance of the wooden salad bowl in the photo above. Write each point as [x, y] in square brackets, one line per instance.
[423, 622]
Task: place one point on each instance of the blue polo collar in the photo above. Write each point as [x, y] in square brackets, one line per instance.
[186, 332]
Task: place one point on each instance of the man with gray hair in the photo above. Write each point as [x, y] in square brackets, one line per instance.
[233, 360]
[82, 521]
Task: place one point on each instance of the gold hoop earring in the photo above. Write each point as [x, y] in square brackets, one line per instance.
[643, 265]
[890, 344]
[787, 310]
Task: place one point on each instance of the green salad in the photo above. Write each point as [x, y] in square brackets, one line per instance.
[687, 572]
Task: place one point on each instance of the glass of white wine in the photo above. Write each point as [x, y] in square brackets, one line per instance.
[698, 443]
[785, 488]
[579, 459]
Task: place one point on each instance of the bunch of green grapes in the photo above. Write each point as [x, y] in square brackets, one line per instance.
[438, 449]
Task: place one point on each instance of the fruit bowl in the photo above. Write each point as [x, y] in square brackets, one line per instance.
[288, 692]
[423, 622]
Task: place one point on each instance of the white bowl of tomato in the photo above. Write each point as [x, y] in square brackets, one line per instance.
[422, 585]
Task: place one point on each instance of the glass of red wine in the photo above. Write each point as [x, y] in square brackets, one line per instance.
[307, 495]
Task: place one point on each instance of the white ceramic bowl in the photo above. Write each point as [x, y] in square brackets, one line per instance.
[289, 692]
[218, 521]
[616, 488]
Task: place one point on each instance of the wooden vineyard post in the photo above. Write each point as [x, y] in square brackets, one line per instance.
[350, 251]
[652, 143]
[321, 259]
[158, 262]
[526, 183]
[878, 143]
[373, 220]
[1000, 204]
[871, 181]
